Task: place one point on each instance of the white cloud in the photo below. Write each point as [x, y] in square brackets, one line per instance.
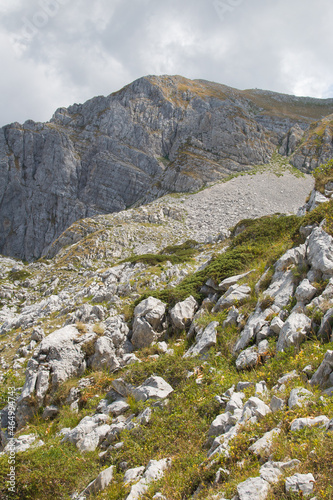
[305, 74]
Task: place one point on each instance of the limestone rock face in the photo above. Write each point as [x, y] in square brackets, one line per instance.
[148, 139]
[319, 251]
[308, 150]
[291, 141]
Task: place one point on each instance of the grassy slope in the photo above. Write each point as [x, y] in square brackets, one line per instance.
[180, 429]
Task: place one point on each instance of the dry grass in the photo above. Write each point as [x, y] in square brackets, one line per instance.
[81, 327]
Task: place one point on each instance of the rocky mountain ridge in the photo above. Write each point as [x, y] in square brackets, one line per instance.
[157, 135]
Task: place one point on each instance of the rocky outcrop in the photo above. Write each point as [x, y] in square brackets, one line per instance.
[58, 358]
[307, 150]
[324, 375]
[301, 423]
[294, 331]
[152, 388]
[89, 433]
[154, 471]
[22, 443]
[291, 141]
[67, 353]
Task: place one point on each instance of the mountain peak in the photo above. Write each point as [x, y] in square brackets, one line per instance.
[157, 135]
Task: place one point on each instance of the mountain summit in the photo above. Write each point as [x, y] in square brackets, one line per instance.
[155, 136]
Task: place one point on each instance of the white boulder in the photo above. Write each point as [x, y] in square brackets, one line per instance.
[248, 358]
[153, 388]
[105, 356]
[263, 445]
[301, 423]
[89, 433]
[183, 312]
[133, 475]
[303, 483]
[22, 443]
[101, 482]
[305, 292]
[298, 397]
[294, 331]
[148, 317]
[237, 294]
[205, 339]
[154, 471]
[320, 251]
[323, 377]
[233, 280]
[254, 488]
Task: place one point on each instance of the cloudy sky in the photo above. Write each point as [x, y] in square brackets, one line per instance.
[57, 52]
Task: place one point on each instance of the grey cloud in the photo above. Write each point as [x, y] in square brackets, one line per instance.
[88, 48]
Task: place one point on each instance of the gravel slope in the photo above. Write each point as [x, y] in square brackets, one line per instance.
[248, 196]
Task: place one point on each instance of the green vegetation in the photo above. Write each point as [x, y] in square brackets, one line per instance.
[323, 174]
[278, 165]
[50, 471]
[19, 275]
[10, 380]
[176, 254]
[262, 240]
[179, 431]
[323, 211]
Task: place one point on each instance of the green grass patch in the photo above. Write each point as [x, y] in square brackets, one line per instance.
[323, 174]
[176, 254]
[51, 471]
[10, 380]
[20, 275]
[323, 211]
[264, 239]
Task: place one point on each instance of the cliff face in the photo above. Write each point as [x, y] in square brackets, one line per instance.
[307, 150]
[157, 135]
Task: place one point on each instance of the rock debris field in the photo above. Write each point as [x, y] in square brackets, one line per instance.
[248, 196]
